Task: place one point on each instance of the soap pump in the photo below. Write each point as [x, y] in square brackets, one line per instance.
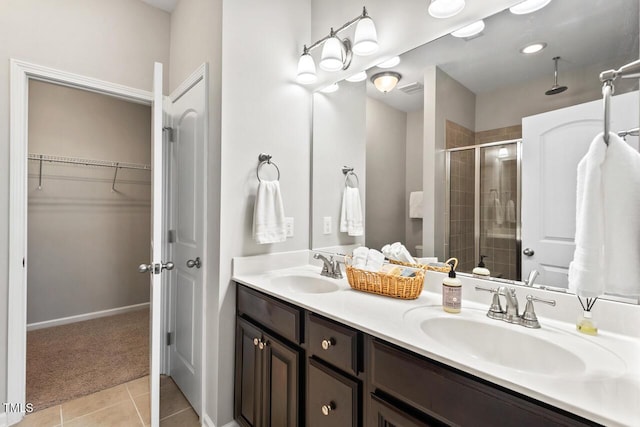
[451, 292]
[481, 270]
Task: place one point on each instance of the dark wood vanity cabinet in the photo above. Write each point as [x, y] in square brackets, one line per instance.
[296, 368]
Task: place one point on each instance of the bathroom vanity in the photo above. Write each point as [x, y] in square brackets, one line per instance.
[311, 351]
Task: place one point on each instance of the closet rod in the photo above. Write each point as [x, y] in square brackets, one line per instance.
[88, 162]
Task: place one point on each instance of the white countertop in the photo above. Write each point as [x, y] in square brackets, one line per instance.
[605, 390]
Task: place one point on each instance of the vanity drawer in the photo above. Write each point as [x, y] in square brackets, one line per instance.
[332, 398]
[456, 398]
[334, 343]
[276, 315]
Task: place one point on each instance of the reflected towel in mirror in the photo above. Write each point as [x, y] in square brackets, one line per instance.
[415, 204]
[268, 214]
[351, 214]
[510, 212]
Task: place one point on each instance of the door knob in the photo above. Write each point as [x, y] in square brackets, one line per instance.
[167, 265]
[194, 263]
[149, 268]
[528, 251]
[145, 268]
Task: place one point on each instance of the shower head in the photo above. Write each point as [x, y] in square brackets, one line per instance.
[555, 89]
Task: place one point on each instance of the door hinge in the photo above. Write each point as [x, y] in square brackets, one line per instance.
[170, 132]
[169, 338]
[171, 238]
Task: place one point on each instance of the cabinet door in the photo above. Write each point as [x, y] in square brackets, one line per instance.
[332, 398]
[248, 374]
[384, 414]
[281, 384]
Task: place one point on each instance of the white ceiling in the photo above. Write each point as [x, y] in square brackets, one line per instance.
[167, 5]
[580, 32]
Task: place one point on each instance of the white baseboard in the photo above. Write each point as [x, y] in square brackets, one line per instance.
[3, 419]
[206, 422]
[85, 316]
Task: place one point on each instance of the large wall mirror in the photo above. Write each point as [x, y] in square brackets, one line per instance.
[464, 126]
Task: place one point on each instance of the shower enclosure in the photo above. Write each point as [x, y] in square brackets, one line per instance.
[483, 207]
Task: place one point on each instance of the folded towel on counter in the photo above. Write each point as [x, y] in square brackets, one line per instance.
[268, 214]
[510, 212]
[415, 204]
[607, 253]
[398, 252]
[367, 259]
[351, 213]
[499, 211]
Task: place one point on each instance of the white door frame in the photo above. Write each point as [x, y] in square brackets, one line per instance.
[20, 74]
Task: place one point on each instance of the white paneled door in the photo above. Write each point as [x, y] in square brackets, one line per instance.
[553, 144]
[187, 195]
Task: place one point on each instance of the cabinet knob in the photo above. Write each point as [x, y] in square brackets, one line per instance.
[326, 409]
[263, 344]
[328, 343]
[256, 341]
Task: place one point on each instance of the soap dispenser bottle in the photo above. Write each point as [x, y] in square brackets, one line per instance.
[451, 292]
[481, 270]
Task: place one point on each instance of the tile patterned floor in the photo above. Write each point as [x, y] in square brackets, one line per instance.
[121, 406]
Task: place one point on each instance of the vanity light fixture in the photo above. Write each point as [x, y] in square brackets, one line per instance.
[470, 30]
[337, 52]
[533, 48]
[389, 63]
[503, 152]
[528, 6]
[445, 8]
[331, 88]
[357, 77]
[386, 81]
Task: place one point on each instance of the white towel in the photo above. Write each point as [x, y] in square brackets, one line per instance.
[268, 214]
[398, 252]
[511, 212]
[415, 204]
[499, 211]
[607, 254]
[351, 214]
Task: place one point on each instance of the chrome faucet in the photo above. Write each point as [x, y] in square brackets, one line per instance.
[510, 314]
[331, 266]
[533, 274]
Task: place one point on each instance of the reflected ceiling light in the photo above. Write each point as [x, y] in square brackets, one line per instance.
[533, 48]
[528, 6]
[330, 89]
[503, 152]
[386, 81]
[469, 30]
[337, 52]
[357, 77]
[445, 8]
[389, 63]
[306, 69]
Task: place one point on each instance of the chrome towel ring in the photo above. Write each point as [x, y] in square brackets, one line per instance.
[348, 171]
[266, 159]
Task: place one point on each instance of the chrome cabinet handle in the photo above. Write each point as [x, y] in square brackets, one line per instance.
[194, 263]
[326, 344]
[528, 251]
[326, 409]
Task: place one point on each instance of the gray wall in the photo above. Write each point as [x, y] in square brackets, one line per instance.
[339, 122]
[386, 165]
[413, 176]
[85, 241]
[76, 36]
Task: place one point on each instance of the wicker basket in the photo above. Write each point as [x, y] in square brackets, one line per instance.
[385, 284]
[444, 269]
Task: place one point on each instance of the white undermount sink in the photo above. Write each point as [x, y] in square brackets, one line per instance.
[546, 351]
[306, 284]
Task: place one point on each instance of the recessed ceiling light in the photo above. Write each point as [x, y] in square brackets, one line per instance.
[357, 77]
[389, 63]
[533, 48]
[331, 88]
[528, 6]
[469, 30]
[445, 8]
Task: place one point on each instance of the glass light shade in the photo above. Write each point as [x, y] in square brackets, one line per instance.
[445, 8]
[528, 6]
[365, 41]
[503, 152]
[533, 48]
[306, 70]
[470, 30]
[332, 55]
[331, 88]
[357, 77]
[389, 63]
[385, 82]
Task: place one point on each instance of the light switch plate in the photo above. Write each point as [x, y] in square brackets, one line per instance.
[326, 225]
[288, 224]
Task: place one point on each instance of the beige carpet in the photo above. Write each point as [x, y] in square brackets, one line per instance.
[69, 361]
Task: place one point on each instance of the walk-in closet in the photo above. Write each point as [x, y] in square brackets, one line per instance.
[89, 192]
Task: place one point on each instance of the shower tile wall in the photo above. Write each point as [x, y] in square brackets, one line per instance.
[501, 134]
[461, 234]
